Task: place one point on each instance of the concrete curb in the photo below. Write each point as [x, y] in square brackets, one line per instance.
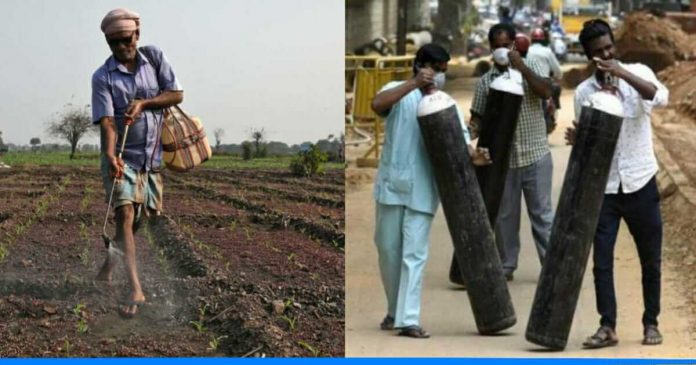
[670, 178]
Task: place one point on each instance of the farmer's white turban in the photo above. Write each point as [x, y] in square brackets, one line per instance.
[119, 20]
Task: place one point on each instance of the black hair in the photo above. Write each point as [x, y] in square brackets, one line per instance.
[505, 10]
[593, 29]
[500, 28]
[430, 53]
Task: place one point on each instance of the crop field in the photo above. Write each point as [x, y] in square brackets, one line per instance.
[245, 261]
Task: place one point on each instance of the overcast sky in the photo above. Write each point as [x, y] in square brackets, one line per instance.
[276, 64]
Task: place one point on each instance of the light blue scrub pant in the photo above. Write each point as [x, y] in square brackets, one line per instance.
[402, 239]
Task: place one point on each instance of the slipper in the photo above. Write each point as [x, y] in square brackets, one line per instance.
[387, 323]
[130, 303]
[414, 332]
[651, 335]
[604, 337]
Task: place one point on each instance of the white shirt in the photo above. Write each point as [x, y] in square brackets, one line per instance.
[634, 163]
[546, 59]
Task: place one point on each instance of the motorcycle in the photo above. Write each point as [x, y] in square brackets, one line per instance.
[559, 47]
[477, 46]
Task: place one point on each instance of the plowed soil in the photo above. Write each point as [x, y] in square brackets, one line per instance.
[243, 263]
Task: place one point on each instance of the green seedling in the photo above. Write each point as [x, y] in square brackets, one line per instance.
[162, 260]
[198, 325]
[309, 348]
[67, 347]
[215, 342]
[247, 233]
[202, 311]
[3, 252]
[84, 257]
[77, 310]
[84, 203]
[82, 326]
[291, 257]
[83, 231]
[292, 322]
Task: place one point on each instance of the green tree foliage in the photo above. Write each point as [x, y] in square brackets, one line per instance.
[308, 161]
[246, 150]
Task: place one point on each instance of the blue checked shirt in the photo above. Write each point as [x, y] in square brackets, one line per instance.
[113, 88]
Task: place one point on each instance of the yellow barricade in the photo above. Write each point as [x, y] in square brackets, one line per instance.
[364, 77]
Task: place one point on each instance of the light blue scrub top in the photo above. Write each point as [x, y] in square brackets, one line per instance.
[405, 175]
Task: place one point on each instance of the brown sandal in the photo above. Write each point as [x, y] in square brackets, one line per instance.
[387, 323]
[651, 335]
[414, 332]
[604, 337]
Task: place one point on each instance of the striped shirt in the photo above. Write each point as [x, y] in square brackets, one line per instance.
[529, 144]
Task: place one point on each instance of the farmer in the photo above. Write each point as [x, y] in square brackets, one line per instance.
[128, 86]
[405, 190]
[530, 166]
[631, 191]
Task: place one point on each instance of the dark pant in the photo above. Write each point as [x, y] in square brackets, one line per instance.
[641, 211]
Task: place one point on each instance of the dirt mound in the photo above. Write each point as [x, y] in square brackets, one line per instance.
[652, 40]
[681, 86]
[573, 77]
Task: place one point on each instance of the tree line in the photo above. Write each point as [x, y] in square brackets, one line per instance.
[75, 122]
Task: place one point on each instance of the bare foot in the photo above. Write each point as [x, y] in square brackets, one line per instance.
[129, 308]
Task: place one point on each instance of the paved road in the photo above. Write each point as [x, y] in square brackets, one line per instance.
[446, 313]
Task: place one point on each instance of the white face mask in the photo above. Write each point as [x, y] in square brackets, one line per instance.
[439, 80]
[500, 56]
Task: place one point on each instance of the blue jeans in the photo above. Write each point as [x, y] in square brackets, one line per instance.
[641, 211]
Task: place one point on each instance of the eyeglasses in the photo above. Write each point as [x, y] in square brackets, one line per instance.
[113, 42]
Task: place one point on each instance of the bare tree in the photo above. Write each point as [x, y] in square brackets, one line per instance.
[71, 125]
[258, 135]
[218, 133]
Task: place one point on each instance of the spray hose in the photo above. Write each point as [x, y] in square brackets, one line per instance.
[107, 240]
